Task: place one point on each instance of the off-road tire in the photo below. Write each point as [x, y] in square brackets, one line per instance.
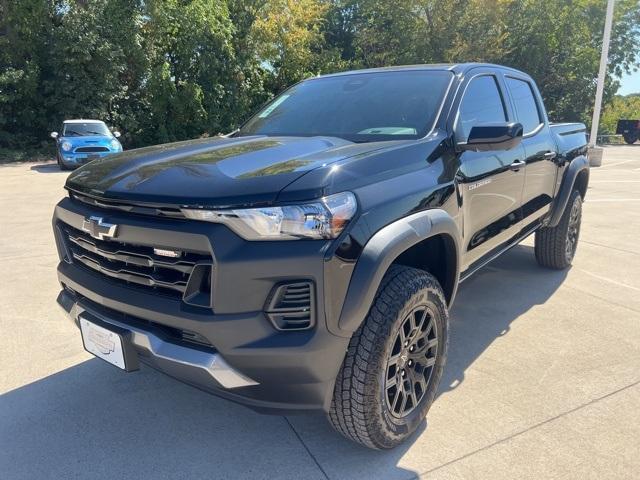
[555, 247]
[360, 410]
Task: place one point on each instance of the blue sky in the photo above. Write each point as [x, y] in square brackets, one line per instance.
[630, 84]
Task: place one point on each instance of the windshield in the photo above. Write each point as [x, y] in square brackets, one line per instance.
[358, 107]
[84, 129]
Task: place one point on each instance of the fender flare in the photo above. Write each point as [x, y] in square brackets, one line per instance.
[577, 165]
[380, 252]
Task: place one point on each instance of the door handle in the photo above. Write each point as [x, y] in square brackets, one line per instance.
[517, 165]
[550, 155]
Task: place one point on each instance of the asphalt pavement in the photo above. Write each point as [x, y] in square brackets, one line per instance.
[543, 377]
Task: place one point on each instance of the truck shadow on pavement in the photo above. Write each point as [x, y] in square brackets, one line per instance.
[92, 421]
[51, 167]
[489, 301]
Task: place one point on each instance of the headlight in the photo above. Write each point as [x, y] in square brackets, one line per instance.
[66, 146]
[325, 218]
[115, 144]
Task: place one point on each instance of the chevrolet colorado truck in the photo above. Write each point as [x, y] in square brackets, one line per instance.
[308, 260]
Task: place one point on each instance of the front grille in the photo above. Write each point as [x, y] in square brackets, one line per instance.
[291, 306]
[140, 209]
[137, 264]
[91, 149]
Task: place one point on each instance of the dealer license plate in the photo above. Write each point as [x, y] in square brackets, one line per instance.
[103, 343]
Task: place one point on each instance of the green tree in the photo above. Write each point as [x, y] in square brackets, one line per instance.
[386, 32]
[165, 70]
[92, 68]
[25, 27]
[188, 44]
[288, 38]
[559, 41]
[63, 59]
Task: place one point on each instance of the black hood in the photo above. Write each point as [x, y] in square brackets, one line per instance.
[212, 172]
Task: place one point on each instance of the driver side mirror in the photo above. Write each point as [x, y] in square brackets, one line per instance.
[493, 136]
[116, 134]
[54, 134]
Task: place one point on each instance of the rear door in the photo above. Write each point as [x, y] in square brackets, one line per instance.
[539, 147]
[490, 183]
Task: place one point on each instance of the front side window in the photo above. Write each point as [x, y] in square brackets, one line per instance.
[525, 104]
[360, 107]
[482, 103]
[84, 129]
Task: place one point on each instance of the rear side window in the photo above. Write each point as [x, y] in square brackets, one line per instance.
[482, 103]
[525, 104]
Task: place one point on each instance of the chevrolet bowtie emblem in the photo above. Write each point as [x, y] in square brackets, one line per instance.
[97, 228]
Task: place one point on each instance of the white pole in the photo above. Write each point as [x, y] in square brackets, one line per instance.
[602, 73]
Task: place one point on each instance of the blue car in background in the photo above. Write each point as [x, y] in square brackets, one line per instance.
[82, 141]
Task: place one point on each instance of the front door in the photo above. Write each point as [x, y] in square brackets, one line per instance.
[490, 183]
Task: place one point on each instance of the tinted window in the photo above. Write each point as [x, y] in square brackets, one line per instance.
[358, 107]
[84, 129]
[524, 103]
[482, 103]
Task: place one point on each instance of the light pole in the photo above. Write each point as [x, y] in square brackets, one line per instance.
[595, 154]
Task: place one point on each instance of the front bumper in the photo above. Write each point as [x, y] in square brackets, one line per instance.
[247, 359]
[76, 159]
[155, 349]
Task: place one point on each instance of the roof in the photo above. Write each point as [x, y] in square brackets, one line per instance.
[456, 68]
[83, 120]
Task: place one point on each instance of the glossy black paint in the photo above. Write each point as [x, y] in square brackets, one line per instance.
[212, 172]
[499, 136]
[494, 197]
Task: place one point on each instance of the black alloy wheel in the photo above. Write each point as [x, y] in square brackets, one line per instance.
[411, 361]
[573, 230]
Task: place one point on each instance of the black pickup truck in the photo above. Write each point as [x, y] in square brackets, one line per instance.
[308, 260]
[629, 129]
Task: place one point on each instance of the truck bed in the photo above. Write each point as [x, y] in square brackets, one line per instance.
[570, 137]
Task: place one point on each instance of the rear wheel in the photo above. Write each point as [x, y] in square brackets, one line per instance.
[630, 138]
[394, 361]
[555, 247]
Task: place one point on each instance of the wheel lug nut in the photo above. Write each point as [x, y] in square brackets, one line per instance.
[406, 343]
[403, 373]
[411, 348]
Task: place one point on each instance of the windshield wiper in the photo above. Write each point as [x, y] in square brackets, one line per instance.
[71, 132]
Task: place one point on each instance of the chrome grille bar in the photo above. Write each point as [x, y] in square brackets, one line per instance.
[134, 264]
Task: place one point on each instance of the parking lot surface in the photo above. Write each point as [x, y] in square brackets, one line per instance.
[543, 378]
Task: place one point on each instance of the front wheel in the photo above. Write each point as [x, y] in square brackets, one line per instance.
[555, 247]
[394, 362]
[61, 164]
[630, 138]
